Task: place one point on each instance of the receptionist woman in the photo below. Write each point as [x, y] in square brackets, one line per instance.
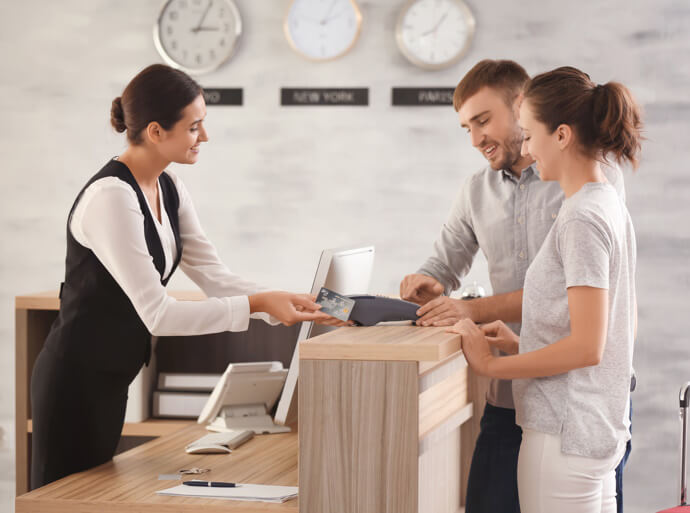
[129, 228]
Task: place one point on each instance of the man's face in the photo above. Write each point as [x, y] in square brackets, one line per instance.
[493, 128]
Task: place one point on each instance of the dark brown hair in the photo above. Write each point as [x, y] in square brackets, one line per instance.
[158, 93]
[605, 118]
[507, 77]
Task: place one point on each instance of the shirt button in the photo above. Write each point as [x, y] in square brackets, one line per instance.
[521, 220]
[522, 254]
[522, 186]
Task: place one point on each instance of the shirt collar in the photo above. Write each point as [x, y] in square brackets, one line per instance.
[524, 175]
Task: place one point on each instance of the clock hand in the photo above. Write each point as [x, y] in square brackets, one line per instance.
[441, 20]
[334, 16]
[199, 29]
[438, 24]
[433, 51]
[325, 19]
[203, 17]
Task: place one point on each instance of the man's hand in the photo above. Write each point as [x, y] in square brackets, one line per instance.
[475, 347]
[420, 288]
[445, 311]
[501, 337]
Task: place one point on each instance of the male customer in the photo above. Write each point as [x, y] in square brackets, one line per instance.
[506, 210]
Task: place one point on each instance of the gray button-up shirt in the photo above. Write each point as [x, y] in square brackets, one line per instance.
[508, 218]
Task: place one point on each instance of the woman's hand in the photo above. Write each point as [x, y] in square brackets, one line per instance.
[291, 308]
[501, 337]
[329, 320]
[475, 347]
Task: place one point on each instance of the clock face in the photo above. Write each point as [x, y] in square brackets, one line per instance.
[322, 29]
[197, 36]
[435, 34]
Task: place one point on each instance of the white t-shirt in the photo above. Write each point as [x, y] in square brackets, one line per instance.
[108, 221]
[591, 244]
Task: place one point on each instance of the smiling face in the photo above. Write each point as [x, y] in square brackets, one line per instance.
[493, 128]
[181, 143]
[543, 147]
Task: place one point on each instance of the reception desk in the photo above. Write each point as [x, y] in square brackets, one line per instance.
[388, 417]
[383, 421]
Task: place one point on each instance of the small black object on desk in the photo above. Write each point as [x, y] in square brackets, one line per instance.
[370, 310]
[213, 484]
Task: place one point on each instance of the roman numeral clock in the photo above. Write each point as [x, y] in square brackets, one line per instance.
[197, 36]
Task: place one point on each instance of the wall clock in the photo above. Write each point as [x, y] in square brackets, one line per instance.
[434, 34]
[322, 30]
[197, 36]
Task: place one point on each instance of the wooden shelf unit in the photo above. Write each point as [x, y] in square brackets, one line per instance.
[34, 315]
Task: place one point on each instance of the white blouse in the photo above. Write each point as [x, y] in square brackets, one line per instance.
[109, 222]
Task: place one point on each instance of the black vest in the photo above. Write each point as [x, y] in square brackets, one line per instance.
[97, 325]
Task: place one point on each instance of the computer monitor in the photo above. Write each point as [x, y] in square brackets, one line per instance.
[346, 271]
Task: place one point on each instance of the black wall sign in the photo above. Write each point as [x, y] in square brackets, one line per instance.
[330, 96]
[222, 96]
[422, 96]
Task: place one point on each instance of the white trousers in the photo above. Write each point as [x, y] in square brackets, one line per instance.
[552, 482]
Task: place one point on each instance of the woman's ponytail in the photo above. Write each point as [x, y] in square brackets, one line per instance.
[617, 122]
[605, 118]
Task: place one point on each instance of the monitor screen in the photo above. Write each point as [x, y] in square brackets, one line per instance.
[346, 271]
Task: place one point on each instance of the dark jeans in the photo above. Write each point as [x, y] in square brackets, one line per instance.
[619, 469]
[492, 483]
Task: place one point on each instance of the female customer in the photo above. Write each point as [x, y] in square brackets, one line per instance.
[579, 308]
[128, 230]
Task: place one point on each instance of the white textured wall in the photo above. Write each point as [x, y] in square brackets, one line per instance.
[276, 185]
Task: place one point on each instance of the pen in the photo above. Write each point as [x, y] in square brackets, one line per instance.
[214, 484]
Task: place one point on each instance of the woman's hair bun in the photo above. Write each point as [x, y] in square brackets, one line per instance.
[117, 115]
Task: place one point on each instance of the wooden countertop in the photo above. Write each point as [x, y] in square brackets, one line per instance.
[130, 480]
[49, 300]
[412, 343]
[149, 427]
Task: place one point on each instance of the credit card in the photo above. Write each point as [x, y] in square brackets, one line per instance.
[334, 304]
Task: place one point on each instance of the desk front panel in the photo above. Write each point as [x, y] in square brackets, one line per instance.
[383, 436]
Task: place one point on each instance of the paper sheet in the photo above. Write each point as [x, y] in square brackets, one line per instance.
[242, 492]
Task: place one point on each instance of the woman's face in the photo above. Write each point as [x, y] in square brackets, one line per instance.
[542, 146]
[181, 143]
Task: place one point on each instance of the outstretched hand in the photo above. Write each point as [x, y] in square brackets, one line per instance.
[291, 308]
[445, 311]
